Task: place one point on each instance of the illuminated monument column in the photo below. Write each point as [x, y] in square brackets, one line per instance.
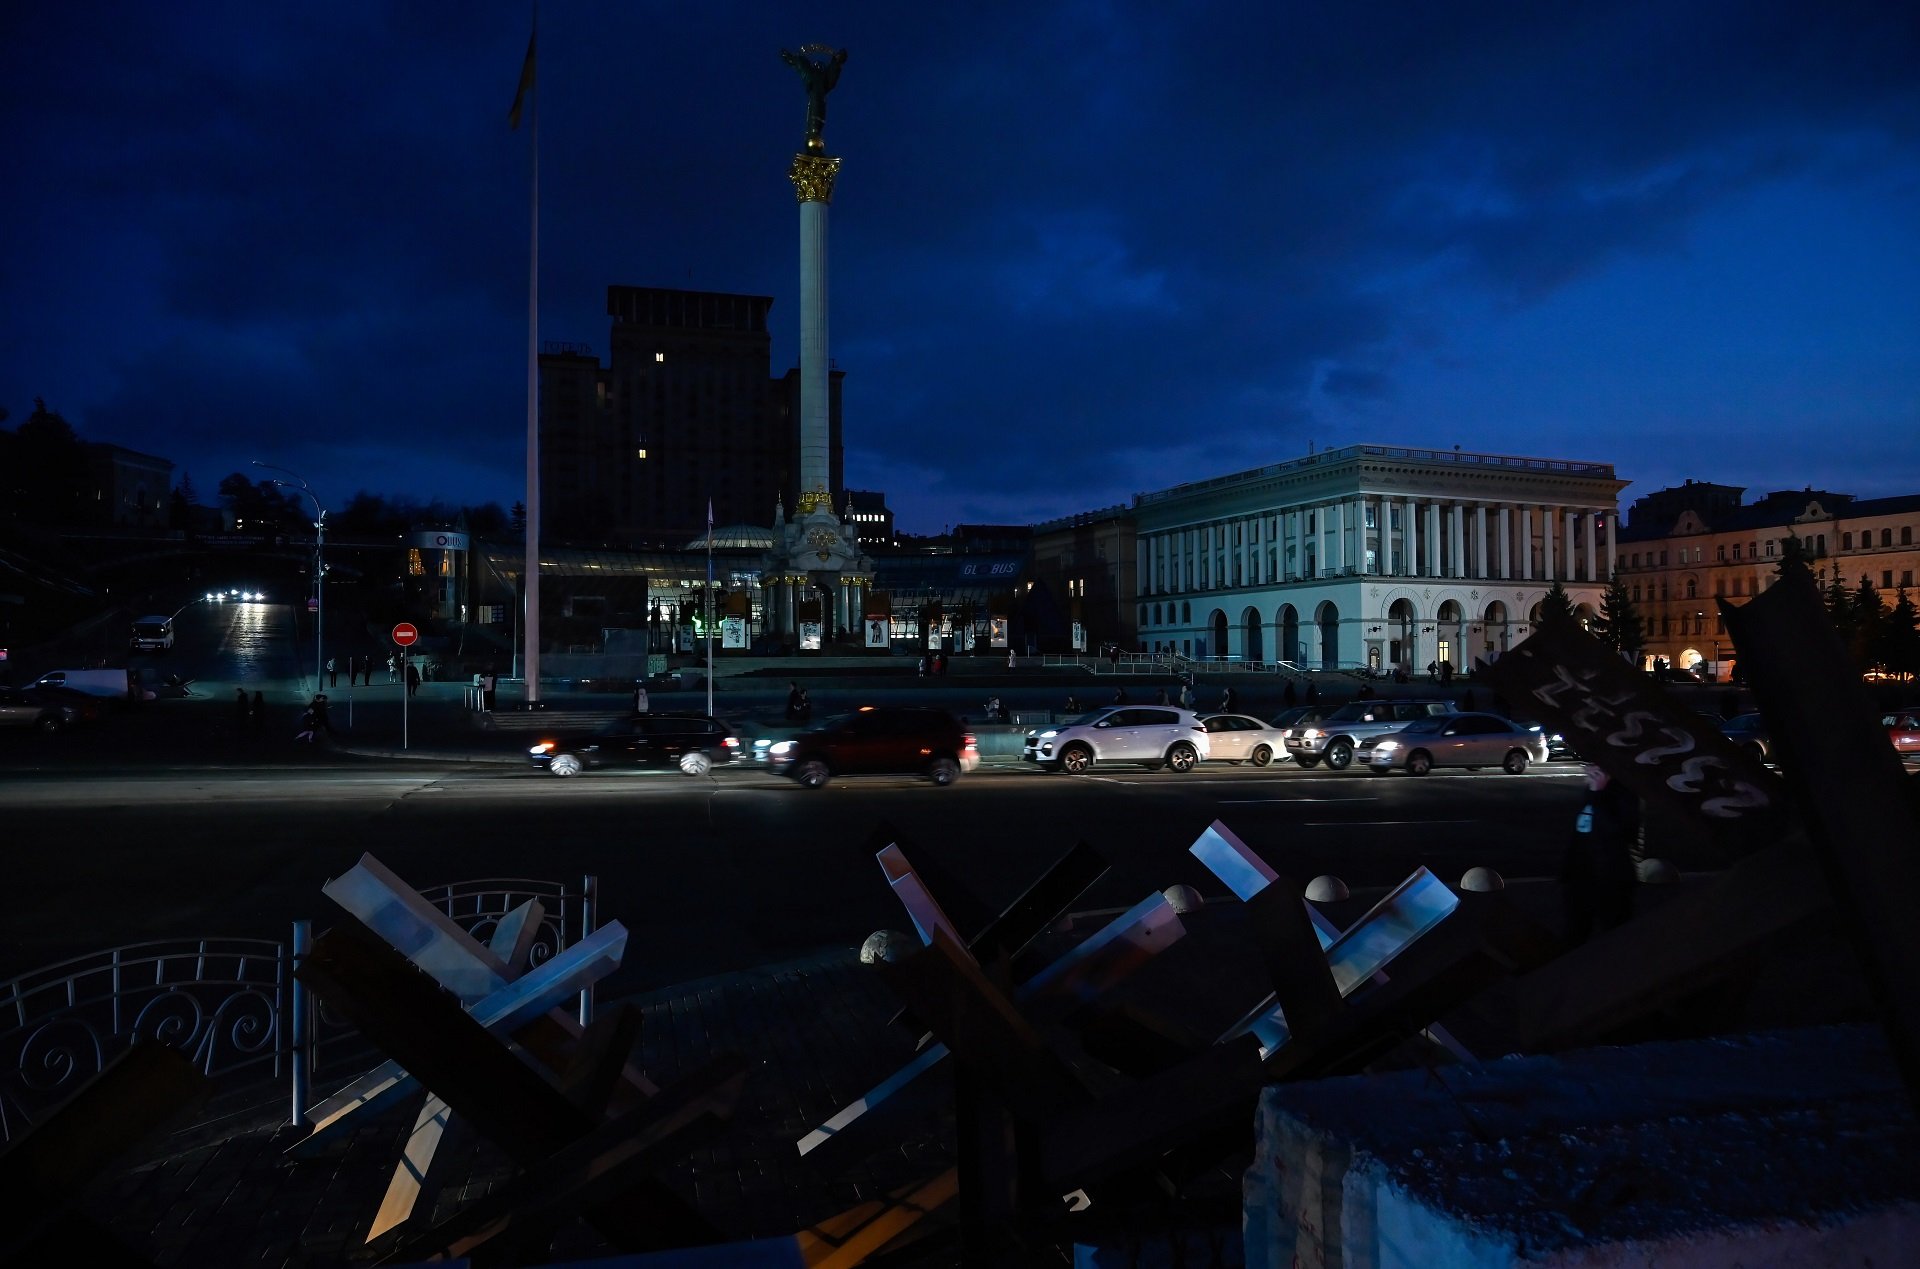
[816, 557]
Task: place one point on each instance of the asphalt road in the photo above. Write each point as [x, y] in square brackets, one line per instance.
[724, 872]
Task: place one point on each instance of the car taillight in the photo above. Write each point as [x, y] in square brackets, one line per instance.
[1198, 727]
[731, 742]
[967, 741]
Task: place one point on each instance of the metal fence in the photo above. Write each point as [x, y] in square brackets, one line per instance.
[230, 1004]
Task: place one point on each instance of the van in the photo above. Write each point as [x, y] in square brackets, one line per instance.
[117, 684]
[152, 634]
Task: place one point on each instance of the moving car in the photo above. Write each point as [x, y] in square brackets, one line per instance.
[152, 634]
[17, 710]
[1335, 737]
[74, 707]
[1238, 738]
[1903, 729]
[1749, 731]
[879, 740]
[695, 743]
[1154, 736]
[1454, 740]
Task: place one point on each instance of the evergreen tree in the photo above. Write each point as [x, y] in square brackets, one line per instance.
[1900, 637]
[1839, 601]
[1620, 626]
[1868, 618]
[518, 518]
[1556, 609]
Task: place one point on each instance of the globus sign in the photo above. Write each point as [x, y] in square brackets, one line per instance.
[406, 634]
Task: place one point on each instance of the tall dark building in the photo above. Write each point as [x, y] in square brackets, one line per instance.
[687, 410]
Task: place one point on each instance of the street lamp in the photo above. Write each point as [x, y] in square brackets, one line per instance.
[319, 562]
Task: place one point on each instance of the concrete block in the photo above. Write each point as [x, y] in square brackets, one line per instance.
[1785, 1148]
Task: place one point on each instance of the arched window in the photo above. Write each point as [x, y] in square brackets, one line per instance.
[1906, 535]
[1886, 537]
[1186, 612]
[1846, 541]
[1636, 592]
[1690, 588]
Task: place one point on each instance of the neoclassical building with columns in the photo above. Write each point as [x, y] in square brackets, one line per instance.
[1371, 556]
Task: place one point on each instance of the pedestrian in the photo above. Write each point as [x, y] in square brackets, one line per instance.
[806, 707]
[1229, 701]
[259, 708]
[317, 707]
[1073, 705]
[393, 667]
[640, 699]
[333, 673]
[1186, 695]
[1119, 696]
[1313, 693]
[1366, 692]
[1290, 696]
[240, 703]
[309, 723]
[1597, 876]
[1433, 670]
[1446, 671]
[795, 699]
[366, 670]
[413, 679]
[993, 709]
[1162, 698]
[920, 667]
[1010, 658]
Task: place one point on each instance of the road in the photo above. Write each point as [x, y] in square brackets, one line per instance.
[181, 819]
[736, 869]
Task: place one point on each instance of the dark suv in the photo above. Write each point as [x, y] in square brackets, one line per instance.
[694, 743]
[878, 740]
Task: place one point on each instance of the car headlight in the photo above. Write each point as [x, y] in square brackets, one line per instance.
[783, 746]
[1311, 733]
[545, 746]
[1049, 735]
[1385, 746]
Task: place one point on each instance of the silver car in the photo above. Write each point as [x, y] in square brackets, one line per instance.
[1154, 736]
[1454, 740]
[1238, 738]
[1335, 738]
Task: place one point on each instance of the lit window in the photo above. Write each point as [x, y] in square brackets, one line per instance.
[659, 356]
[640, 453]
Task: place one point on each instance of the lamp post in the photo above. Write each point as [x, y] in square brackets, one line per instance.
[319, 563]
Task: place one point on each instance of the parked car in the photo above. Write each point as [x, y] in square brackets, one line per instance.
[1454, 740]
[879, 740]
[1335, 737]
[1903, 729]
[16, 710]
[1154, 736]
[1239, 738]
[151, 634]
[695, 743]
[1749, 731]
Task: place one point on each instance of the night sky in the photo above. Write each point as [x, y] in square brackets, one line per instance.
[1080, 250]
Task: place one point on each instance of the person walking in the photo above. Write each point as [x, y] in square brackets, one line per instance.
[413, 679]
[1313, 693]
[640, 698]
[1290, 696]
[318, 708]
[309, 725]
[1597, 875]
[366, 670]
[795, 699]
[1186, 694]
[1229, 701]
[333, 673]
[1162, 700]
[393, 667]
[1073, 705]
[1119, 696]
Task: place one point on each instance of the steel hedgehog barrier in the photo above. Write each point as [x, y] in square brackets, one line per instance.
[231, 1005]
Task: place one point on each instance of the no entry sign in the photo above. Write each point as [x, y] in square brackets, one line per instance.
[405, 634]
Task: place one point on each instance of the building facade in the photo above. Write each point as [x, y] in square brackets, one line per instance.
[1675, 569]
[1371, 556]
[130, 489]
[685, 412]
[1088, 566]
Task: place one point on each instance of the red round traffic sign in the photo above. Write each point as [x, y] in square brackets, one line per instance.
[405, 634]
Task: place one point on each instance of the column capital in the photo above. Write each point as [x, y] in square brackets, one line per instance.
[813, 176]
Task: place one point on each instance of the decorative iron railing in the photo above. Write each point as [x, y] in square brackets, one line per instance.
[229, 1003]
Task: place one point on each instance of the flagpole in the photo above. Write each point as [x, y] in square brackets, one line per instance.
[709, 607]
[531, 568]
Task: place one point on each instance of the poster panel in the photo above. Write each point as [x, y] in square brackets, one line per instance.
[1079, 637]
[809, 636]
[733, 632]
[997, 632]
[876, 632]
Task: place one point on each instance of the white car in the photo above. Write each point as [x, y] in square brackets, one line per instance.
[1240, 738]
[1154, 736]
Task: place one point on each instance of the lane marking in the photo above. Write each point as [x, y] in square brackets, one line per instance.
[1378, 823]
